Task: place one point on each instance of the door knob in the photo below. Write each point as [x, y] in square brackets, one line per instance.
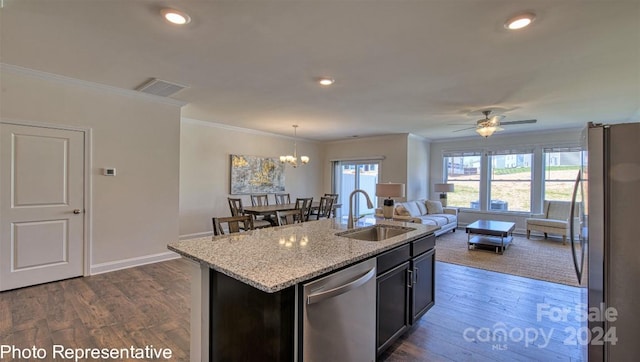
[76, 211]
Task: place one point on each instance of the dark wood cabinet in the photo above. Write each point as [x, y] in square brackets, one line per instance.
[422, 286]
[270, 322]
[405, 288]
[392, 305]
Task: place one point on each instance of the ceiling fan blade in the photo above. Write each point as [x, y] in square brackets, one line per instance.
[523, 121]
[464, 129]
[495, 120]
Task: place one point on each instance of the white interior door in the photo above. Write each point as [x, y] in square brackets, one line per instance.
[41, 205]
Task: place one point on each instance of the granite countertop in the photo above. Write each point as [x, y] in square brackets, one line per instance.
[275, 258]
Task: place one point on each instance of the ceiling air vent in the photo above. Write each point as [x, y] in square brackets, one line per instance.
[160, 87]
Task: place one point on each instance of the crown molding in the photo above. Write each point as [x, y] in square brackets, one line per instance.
[198, 122]
[15, 69]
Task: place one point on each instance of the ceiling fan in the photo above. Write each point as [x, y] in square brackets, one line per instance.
[488, 125]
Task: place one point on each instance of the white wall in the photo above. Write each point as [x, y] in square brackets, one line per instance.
[393, 168]
[135, 214]
[418, 150]
[205, 151]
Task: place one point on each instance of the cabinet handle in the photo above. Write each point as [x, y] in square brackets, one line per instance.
[415, 275]
[409, 278]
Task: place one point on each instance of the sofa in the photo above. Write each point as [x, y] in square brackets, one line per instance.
[426, 212]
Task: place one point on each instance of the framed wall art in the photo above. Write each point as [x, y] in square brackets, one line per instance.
[255, 174]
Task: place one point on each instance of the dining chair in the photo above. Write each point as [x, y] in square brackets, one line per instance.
[335, 201]
[324, 209]
[233, 224]
[259, 200]
[287, 217]
[235, 205]
[282, 199]
[304, 204]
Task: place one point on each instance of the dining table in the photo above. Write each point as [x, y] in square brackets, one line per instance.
[269, 210]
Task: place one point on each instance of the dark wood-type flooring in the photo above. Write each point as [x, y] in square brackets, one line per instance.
[149, 305]
[145, 305]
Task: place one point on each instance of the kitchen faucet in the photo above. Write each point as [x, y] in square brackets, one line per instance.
[369, 205]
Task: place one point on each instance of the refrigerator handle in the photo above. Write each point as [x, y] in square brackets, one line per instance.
[577, 267]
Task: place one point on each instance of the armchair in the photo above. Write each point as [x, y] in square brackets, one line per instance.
[554, 220]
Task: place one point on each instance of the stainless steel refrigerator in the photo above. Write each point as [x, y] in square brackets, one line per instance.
[607, 248]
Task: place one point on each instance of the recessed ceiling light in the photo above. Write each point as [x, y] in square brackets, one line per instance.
[520, 21]
[176, 16]
[326, 81]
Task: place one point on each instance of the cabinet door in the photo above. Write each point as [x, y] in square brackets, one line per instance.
[392, 305]
[422, 294]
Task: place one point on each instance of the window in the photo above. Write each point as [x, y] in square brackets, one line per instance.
[352, 175]
[510, 180]
[463, 170]
[561, 167]
[514, 179]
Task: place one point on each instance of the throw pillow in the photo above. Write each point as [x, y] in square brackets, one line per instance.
[401, 211]
[422, 206]
[412, 207]
[434, 207]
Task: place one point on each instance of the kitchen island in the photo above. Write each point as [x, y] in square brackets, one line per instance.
[246, 285]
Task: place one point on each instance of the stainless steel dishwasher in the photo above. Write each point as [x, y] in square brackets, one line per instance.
[339, 315]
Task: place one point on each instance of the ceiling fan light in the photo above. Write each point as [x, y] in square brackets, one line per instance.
[485, 131]
[520, 21]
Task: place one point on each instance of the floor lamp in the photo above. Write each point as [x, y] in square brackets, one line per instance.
[389, 190]
[443, 189]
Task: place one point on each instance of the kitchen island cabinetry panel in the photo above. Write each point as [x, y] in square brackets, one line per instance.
[247, 298]
[405, 292]
[423, 286]
[248, 324]
[393, 305]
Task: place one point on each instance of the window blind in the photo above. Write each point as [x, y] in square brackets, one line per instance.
[562, 149]
[512, 151]
[461, 153]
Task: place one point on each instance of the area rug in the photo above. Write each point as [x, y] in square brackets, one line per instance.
[536, 258]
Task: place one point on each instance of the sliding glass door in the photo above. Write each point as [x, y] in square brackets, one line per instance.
[352, 175]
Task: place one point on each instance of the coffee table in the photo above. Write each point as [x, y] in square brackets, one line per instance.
[490, 234]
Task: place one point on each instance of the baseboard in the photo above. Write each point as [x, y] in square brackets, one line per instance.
[195, 235]
[129, 263]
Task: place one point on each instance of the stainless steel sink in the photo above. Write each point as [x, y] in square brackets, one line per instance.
[375, 233]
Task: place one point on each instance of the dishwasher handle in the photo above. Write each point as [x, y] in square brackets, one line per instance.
[318, 297]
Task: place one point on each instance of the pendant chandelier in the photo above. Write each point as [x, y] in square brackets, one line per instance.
[293, 160]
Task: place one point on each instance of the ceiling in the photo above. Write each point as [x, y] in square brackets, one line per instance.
[427, 67]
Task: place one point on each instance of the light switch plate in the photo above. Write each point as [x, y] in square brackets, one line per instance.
[109, 171]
